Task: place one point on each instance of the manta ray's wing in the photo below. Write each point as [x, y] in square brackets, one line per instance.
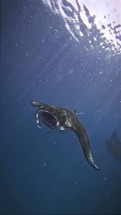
[114, 145]
[37, 104]
[114, 137]
[85, 144]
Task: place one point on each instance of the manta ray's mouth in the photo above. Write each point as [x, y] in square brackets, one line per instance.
[47, 118]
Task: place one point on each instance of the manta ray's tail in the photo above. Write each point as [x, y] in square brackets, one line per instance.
[84, 141]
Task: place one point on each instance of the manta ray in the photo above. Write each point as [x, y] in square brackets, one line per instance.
[114, 145]
[63, 119]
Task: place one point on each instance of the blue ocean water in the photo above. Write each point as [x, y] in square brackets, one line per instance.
[50, 54]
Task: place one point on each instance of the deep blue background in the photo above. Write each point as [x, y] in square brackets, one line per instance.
[43, 173]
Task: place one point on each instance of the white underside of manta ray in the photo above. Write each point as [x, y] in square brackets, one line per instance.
[62, 119]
